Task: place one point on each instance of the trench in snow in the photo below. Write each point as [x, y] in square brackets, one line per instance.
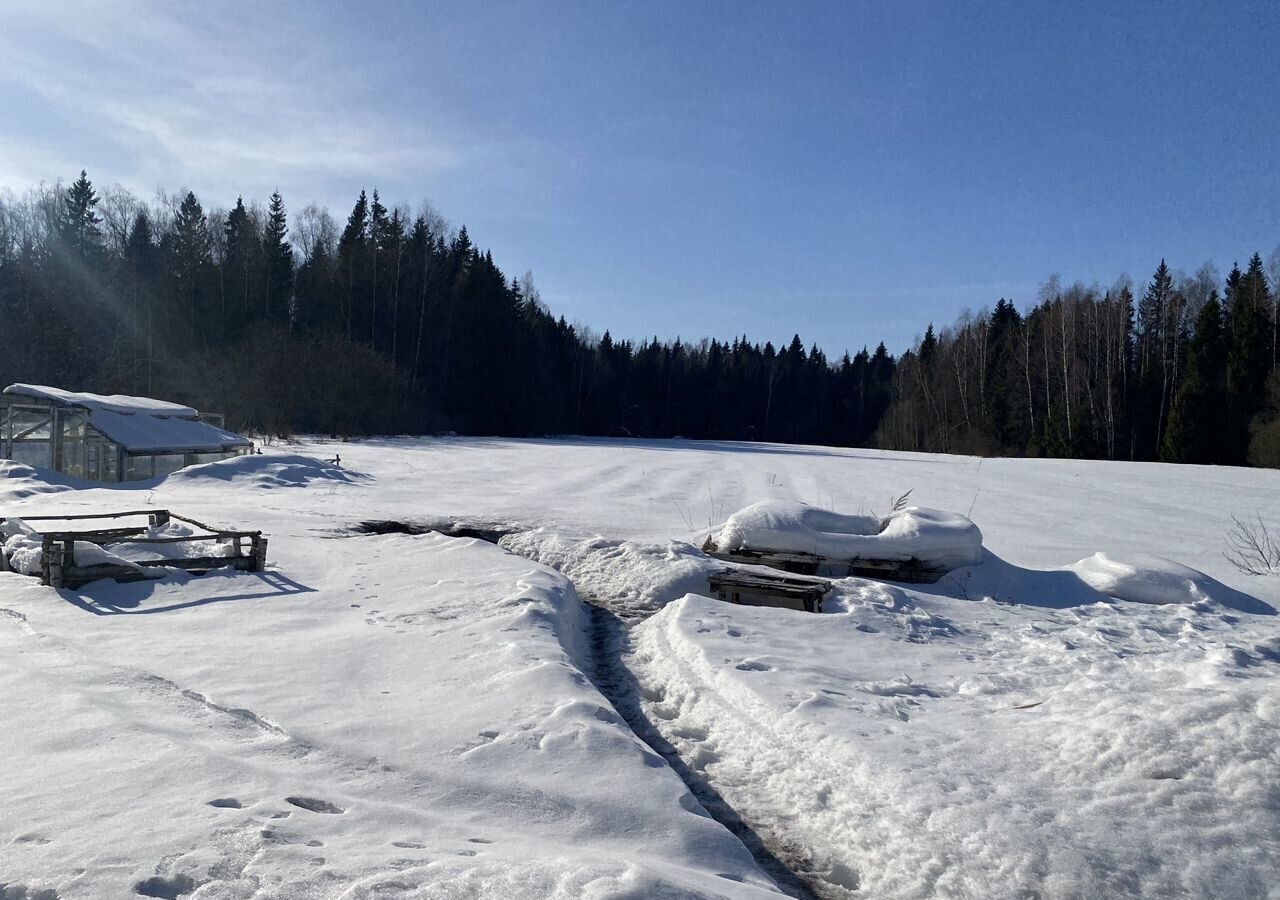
[609, 634]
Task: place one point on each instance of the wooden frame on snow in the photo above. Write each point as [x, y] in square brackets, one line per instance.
[59, 567]
[909, 570]
[776, 591]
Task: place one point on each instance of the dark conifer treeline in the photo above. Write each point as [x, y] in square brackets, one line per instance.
[390, 323]
[394, 323]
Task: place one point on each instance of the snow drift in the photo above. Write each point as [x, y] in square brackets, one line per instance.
[271, 471]
[1143, 578]
[936, 538]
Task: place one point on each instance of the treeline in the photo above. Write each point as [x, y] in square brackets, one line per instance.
[1182, 374]
[393, 322]
[389, 323]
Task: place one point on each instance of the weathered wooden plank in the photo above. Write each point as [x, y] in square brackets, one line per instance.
[908, 570]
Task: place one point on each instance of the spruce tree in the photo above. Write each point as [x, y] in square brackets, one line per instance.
[377, 242]
[1156, 347]
[1249, 359]
[141, 268]
[1197, 423]
[277, 255]
[191, 249]
[351, 253]
[79, 225]
[238, 262]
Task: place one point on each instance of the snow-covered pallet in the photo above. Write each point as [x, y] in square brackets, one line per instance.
[912, 544]
[60, 567]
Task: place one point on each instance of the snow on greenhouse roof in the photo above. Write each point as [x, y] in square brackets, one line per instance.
[113, 403]
[159, 434]
[140, 424]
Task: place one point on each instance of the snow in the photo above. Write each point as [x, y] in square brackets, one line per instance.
[1144, 578]
[158, 434]
[977, 750]
[1021, 727]
[274, 471]
[634, 578]
[936, 538]
[21, 481]
[117, 403]
[21, 547]
[438, 705]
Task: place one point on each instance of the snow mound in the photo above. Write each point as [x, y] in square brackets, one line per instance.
[20, 546]
[1143, 578]
[934, 537]
[18, 481]
[271, 471]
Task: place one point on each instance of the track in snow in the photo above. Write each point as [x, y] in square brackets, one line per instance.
[613, 679]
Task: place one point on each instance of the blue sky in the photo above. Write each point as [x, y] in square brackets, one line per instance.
[847, 170]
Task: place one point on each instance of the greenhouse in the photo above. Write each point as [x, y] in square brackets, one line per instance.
[108, 438]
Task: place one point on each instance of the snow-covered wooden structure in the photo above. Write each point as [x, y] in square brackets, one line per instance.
[72, 558]
[108, 438]
[777, 591]
[911, 544]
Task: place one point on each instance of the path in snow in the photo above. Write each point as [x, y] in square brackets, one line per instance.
[610, 675]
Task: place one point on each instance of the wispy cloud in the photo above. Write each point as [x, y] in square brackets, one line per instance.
[209, 97]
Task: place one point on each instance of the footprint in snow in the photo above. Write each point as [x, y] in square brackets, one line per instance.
[22, 892]
[169, 887]
[311, 804]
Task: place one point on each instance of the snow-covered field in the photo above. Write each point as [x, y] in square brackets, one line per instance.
[417, 716]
